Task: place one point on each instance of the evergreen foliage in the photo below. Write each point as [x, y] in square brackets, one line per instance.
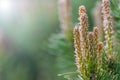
[63, 49]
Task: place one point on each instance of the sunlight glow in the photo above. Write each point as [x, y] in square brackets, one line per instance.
[5, 5]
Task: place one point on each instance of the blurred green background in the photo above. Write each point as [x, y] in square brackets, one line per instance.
[25, 29]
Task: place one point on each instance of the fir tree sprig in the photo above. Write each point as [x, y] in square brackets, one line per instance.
[98, 19]
[87, 48]
[108, 30]
[77, 43]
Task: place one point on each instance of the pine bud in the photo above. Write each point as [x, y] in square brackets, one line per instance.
[99, 55]
[78, 54]
[98, 19]
[107, 26]
[83, 28]
[96, 34]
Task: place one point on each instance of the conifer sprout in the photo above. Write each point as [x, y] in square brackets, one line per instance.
[98, 19]
[96, 34]
[107, 27]
[84, 33]
[77, 46]
[95, 45]
[91, 61]
[87, 48]
[83, 24]
[92, 57]
[65, 18]
[99, 55]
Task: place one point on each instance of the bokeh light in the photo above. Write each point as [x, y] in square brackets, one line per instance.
[5, 5]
